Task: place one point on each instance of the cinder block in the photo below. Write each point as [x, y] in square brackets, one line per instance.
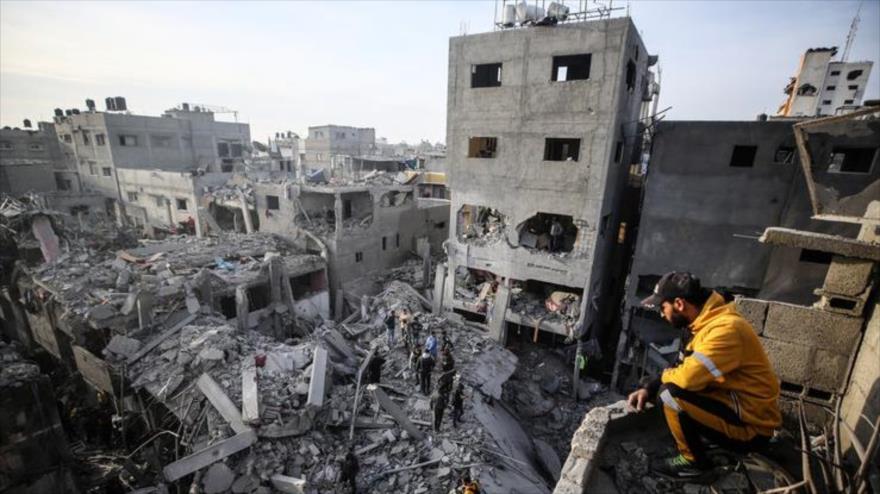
[812, 327]
[848, 276]
[790, 360]
[828, 371]
[754, 311]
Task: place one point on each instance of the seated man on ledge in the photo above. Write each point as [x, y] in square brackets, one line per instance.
[722, 389]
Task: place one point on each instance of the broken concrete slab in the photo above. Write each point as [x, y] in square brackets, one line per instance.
[159, 339]
[317, 384]
[288, 485]
[222, 403]
[250, 401]
[209, 455]
[822, 242]
[217, 479]
[395, 411]
[122, 346]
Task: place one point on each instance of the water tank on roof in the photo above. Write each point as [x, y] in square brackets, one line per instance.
[90, 104]
[59, 112]
[185, 106]
[508, 17]
[528, 13]
[27, 123]
[110, 103]
[120, 103]
[557, 11]
[75, 111]
[68, 112]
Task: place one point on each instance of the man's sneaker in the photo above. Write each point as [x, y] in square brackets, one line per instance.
[678, 467]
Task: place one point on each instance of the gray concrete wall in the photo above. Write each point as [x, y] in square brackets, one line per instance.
[29, 159]
[326, 140]
[526, 109]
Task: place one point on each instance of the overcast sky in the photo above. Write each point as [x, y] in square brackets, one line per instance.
[285, 66]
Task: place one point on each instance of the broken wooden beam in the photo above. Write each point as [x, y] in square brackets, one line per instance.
[168, 333]
[222, 403]
[396, 412]
[209, 455]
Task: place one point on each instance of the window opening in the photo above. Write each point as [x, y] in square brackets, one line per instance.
[561, 149]
[181, 204]
[815, 256]
[851, 160]
[272, 202]
[482, 147]
[486, 75]
[784, 154]
[358, 256]
[571, 67]
[854, 74]
[743, 156]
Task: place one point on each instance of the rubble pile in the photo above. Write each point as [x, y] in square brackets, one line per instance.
[14, 369]
[410, 272]
[561, 307]
[489, 228]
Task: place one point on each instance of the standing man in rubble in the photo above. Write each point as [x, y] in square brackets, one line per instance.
[390, 320]
[723, 388]
[439, 400]
[349, 470]
[457, 402]
[426, 364]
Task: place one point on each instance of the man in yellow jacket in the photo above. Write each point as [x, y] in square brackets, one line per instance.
[723, 388]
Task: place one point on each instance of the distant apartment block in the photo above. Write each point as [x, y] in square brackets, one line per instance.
[330, 146]
[823, 86]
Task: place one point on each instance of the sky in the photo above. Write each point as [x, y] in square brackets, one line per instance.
[288, 65]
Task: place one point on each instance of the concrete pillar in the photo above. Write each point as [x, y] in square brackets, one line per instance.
[581, 241]
[248, 223]
[498, 323]
[169, 213]
[337, 209]
[198, 219]
[120, 213]
[242, 309]
[439, 288]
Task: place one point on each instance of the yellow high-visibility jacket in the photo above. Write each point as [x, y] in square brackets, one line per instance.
[725, 361]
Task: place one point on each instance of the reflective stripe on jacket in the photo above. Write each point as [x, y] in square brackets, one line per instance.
[726, 361]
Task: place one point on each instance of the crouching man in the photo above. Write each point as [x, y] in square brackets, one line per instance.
[723, 389]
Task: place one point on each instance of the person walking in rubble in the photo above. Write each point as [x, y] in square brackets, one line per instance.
[457, 402]
[415, 330]
[555, 235]
[374, 368]
[723, 388]
[414, 363]
[426, 364]
[445, 342]
[439, 400]
[390, 320]
[431, 344]
[349, 471]
[447, 372]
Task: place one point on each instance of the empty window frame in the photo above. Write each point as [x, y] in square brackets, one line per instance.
[85, 137]
[743, 156]
[358, 257]
[384, 243]
[854, 74]
[236, 150]
[272, 202]
[35, 146]
[784, 155]
[852, 160]
[630, 75]
[107, 171]
[132, 196]
[397, 240]
[67, 138]
[482, 147]
[826, 101]
[853, 87]
[223, 149]
[830, 88]
[561, 149]
[618, 151]
[571, 67]
[160, 141]
[93, 167]
[486, 75]
[848, 102]
[100, 139]
[835, 73]
[128, 140]
[63, 183]
[181, 205]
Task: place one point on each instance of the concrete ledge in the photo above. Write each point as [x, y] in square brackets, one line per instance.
[833, 244]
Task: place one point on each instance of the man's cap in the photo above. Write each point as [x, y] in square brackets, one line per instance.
[671, 286]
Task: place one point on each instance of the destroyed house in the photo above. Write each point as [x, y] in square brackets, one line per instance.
[95, 314]
[99, 143]
[541, 132]
[364, 228]
[713, 188]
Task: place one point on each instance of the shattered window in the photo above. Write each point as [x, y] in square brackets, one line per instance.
[63, 183]
[128, 140]
[571, 67]
[67, 138]
[784, 155]
[854, 74]
[852, 160]
[806, 90]
[560, 149]
[486, 75]
[100, 139]
[107, 171]
[482, 147]
[743, 156]
[181, 205]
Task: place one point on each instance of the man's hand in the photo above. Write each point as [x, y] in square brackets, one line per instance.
[637, 399]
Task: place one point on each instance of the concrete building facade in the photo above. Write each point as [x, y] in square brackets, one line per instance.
[327, 144]
[823, 86]
[99, 143]
[31, 161]
[542, 126]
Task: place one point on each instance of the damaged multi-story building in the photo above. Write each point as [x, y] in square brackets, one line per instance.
[334, 146]
[823, 86]
[543, 125]
[362, 226]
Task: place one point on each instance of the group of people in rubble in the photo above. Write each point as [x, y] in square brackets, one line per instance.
[423, 359]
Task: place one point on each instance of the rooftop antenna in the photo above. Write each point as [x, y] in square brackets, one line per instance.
[851, 36]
